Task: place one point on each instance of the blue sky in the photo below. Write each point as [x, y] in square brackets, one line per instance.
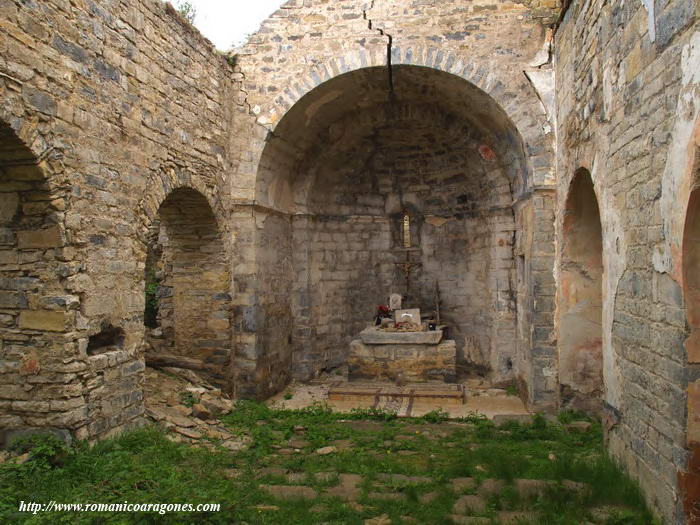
[228, 22]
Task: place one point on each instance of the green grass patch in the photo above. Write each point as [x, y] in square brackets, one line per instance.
[145, 467]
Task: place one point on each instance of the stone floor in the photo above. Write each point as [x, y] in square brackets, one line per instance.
[494, 403]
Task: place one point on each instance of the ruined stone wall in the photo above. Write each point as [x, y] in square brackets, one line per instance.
[124, 102]
[627, 102]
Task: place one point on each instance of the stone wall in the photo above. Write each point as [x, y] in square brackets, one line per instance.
[627, 105]
[118, 103]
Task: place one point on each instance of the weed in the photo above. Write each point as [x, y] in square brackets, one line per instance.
[436, 416]
[187, 399]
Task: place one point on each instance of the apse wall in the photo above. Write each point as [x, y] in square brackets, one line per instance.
[418, 162]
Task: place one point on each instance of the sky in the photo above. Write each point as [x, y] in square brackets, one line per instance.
[227, 22]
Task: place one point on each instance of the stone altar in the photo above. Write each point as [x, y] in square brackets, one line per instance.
[415, 356]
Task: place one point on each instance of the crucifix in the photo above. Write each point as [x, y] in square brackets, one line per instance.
[407, 265]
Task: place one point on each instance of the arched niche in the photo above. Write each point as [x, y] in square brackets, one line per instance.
[581, 298]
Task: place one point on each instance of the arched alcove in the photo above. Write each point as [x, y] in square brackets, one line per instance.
[580, 298]
[187, 280]
[344, 168]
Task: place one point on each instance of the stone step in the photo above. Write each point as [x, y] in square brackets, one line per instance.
[375, 395]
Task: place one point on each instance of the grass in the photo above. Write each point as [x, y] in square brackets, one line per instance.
[145, 467]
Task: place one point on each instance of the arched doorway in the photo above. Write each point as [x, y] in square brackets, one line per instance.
[374, 187]
[581, 299]
[187, 279]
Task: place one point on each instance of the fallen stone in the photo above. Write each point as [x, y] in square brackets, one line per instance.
[232, 473]
[289, 492]
[529, 488]
[428, 497]
[469, 504]
[188, 432]
[182, 410]
[578, 426]
[326, 450]
[379, 520]
[462, 484]
[272, 471]
[235, 445]
[491, 486]
[217, 406]
[22, 458]
[196, 391]
[298, 443]
[575, 486]
[155, 413]
[201, 412]
[215, 434]
[180, 421]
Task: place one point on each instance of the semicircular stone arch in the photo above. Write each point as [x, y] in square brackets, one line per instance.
[186, 273]
[162, 184]
[522, 106]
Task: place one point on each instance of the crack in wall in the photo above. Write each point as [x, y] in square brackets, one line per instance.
[389, 45]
